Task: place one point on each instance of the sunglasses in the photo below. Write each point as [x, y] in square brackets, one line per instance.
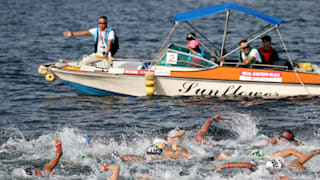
[102, 22]
[247, 47]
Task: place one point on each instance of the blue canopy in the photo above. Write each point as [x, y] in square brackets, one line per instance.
[202, 12]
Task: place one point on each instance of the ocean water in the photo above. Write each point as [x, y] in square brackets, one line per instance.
[33, 111]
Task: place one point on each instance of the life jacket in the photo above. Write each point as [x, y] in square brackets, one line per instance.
[266, 55]
[201, 51]
[252, 62]
[194, 60]
[115, 44]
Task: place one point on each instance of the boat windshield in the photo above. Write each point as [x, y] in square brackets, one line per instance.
[178, 55]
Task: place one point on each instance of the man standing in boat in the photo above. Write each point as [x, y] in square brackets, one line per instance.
[270, 54]
[106, 41]
[248, 55]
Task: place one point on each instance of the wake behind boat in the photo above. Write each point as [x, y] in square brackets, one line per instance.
[175, 72]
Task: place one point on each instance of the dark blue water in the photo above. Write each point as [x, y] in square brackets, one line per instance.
[33, 111]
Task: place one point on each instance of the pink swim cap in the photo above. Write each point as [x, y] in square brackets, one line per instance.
[193, 44]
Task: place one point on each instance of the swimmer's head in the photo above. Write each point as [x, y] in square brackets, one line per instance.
[153, 150]
[85, 140]
[160, 143]
[274, 164]
[257, 153]
[287, 134]
[29, 171]
[82, 155]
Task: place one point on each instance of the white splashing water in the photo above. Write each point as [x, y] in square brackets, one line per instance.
[100, 152]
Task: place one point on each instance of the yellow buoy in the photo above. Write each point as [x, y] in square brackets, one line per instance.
[309, 69]
[149, 83]
[43, 70]
[149, 90]
[306, 66]
[50, 77]
[149, 76]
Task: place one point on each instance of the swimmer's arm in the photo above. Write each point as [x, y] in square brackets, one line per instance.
[176, 155]
[115, 171]
[236, 165]
[273, 141]
[284, 178]
[288, 152]
[55, 161]
[178, 134]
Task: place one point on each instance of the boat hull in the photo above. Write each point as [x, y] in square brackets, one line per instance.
[179, 84]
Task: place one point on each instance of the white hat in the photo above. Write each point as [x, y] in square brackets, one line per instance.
[274, 163]
[158, 141]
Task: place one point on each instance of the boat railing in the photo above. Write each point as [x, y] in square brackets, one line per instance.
[183, 62]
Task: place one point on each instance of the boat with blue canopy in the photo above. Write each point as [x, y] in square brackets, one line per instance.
[174, 71]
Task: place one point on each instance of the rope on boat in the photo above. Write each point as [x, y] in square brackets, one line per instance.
[203, 36]
[249, 41]
[250, 35]
[168, 37]
[184, 29]
[290, 60]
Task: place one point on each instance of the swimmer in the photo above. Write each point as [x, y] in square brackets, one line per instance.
[47, 170]
[204, 129]
[278, 162]
[286, 137]
[115, 171]
[176, 138]
[171, 147]
[159, 149]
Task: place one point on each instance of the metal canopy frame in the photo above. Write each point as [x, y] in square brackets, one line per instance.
[184, 17]
[273, 22]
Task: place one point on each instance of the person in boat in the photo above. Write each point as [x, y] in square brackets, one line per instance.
[248, 55]
[190, 37]
[277, 162]
[194, 49]
[115, 171]
[47, 171]
[170, 147]
[270, 55]
[285, 137]
[106, 41]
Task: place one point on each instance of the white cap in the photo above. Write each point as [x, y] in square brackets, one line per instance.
[274, 164]
[158, 141]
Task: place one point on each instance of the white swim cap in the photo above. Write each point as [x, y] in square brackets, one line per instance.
[158, 141]
[274, 164]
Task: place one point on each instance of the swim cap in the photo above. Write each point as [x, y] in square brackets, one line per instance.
[85, 139]
[153, 149]
[29, 171]
[193, 44]
[288, 135]
[274, 164]
[257, 153]
[159, 142]
[82, 155]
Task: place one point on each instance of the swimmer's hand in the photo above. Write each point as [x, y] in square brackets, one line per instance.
[102, 168]
[58, 143]
[219, 167]
[217, 117]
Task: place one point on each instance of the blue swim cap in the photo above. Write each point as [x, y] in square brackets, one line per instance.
[85, 139]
